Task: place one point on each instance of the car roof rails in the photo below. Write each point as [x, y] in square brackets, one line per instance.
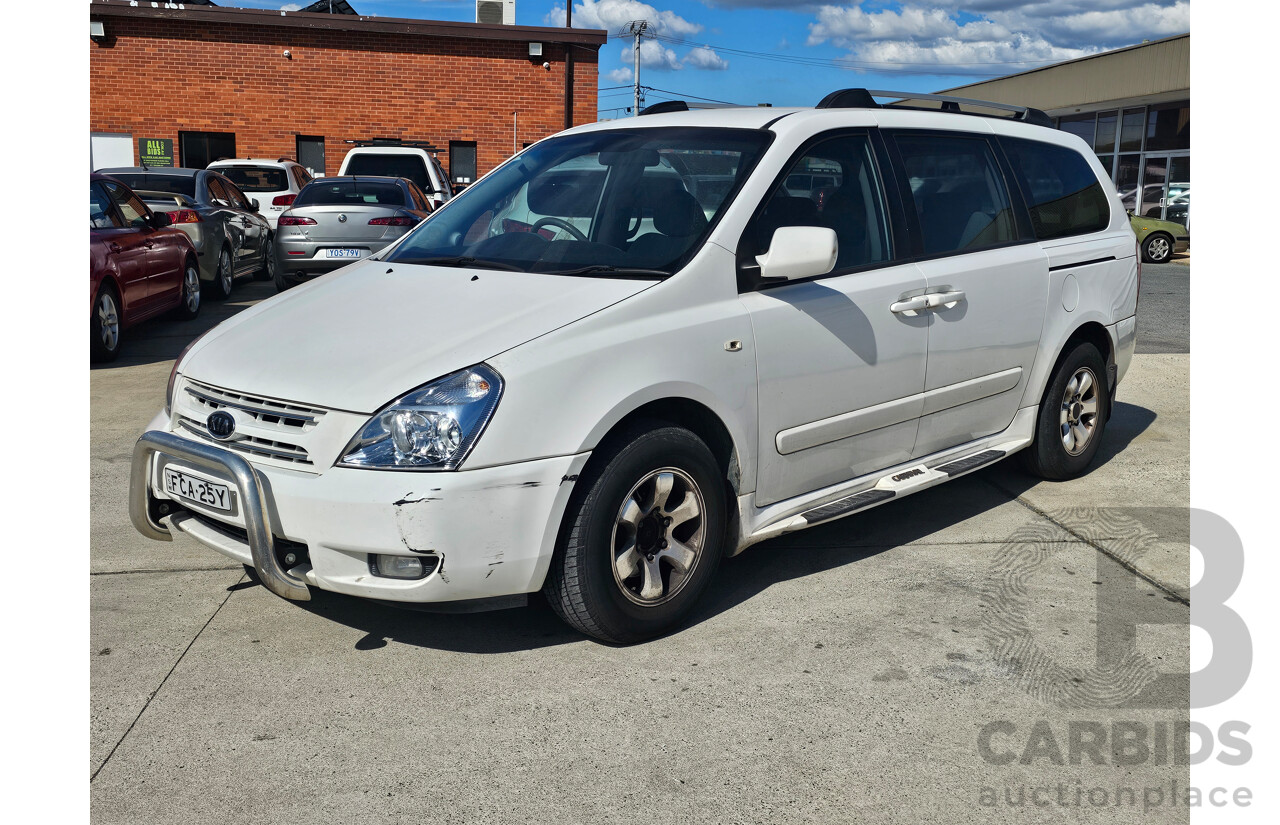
[865, 99]
[283, 160]
[379, 141]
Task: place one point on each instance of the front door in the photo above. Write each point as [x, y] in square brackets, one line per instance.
[987, 286]
[840, 358]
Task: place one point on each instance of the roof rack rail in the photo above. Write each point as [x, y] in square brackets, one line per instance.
[865, 99]
[665, 106]
[282, 160]
[379, 141]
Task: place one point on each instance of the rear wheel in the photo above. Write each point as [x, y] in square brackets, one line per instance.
[223, 277]
[189, 307]
[1072, 418]
[268, 270]
[104, 326]
[643, 536]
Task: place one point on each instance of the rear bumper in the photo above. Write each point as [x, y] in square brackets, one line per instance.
[482, 533]
[297, 258]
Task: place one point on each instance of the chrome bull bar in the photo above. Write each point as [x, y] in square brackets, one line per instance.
[253, 503]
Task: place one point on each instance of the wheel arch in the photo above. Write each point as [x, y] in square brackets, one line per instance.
[1092, 332]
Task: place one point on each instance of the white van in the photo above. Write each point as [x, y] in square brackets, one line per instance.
[417, 163]
[600, 401]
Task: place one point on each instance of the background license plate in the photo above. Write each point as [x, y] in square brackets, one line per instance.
[217, 496]
[342, 253]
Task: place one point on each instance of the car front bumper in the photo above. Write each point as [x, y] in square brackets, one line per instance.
[482, 534]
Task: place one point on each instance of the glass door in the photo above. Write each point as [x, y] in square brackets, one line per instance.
[1166, 188]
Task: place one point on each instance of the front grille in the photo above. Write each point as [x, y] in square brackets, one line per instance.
[265, 411]
[278, 425]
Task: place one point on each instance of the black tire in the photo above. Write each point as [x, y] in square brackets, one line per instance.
[1051, 455]
[224, 276]
[583, 586]
[282, 283]
[189, 305]
[1157, 248]
[268, 270]
[105, 328]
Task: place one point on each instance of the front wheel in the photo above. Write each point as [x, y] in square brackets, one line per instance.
[1072, 418]
[643, 536]
[1157, 249]
[104, 326]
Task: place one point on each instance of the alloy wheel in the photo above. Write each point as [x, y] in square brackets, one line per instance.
[191, 289]
[108, 321]
[1078, 417]
[224, 271]
[659, 535]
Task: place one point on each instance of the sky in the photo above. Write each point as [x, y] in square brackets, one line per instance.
[791, 53]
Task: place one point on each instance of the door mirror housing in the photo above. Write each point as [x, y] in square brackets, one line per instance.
[799, 252]
[159, 220]
[253, 205]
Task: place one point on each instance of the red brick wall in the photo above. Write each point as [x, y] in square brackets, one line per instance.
[158, 77]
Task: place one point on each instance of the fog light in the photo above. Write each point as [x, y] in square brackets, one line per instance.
[396, 567]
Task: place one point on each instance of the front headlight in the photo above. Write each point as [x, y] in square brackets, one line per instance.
[173, 373]
[431, 428]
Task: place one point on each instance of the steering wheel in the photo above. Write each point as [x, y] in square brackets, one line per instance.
[562, 224]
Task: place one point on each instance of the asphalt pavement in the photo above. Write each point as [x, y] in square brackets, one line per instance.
[922, 662]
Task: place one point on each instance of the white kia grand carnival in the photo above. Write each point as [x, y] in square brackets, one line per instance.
[631, 350]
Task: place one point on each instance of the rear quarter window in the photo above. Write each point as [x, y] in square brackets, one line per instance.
[1062, 193]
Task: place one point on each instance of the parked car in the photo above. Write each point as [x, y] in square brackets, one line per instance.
[417, 163]
[481, 412]
[335, 221]
[139, 266]
[273, 183]
[230, 236]
[1159, 240]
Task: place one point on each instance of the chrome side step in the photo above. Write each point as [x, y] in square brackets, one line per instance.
[845, 506]
[972, 462]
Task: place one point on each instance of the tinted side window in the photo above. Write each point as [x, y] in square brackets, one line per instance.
[217, 193]
[135, 214]
[958, 191]
[238, 199]
[833, 184]
[1064, 196]
[100, 214]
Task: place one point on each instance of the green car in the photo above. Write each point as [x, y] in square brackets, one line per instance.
[1159, 239]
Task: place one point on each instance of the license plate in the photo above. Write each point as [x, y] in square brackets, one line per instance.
[343, 253]
[217, 496]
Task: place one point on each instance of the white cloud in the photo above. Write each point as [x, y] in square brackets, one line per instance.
[619, 76]
[291, 7]
[614, 15]
[704, 58]
[653, 55]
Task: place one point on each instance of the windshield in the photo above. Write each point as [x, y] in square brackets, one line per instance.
[637, 201]
[176, 184]
[257, 178]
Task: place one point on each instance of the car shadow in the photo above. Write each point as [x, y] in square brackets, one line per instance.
[163, 339]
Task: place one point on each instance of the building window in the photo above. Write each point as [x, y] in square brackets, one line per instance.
[1104, 141]
[311, 153]
[1131, 130]
[1079, 125]
[1169, 127]
[198, 149]
[462, 162]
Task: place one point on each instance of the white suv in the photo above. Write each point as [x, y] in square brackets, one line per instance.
[600, 393]
[418, 163]
[272, 183]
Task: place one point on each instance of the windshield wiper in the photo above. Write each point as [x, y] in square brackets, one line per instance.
[616, 271]
[458, 261]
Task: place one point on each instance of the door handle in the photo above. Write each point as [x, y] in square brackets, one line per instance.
[915, 304]
[945, 300]
[149, 244]
[115, 247]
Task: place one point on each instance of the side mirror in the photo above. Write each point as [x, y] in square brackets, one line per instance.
[253, 204]
[799, 252]
[160, 220]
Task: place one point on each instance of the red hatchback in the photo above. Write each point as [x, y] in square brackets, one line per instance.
[138, 266]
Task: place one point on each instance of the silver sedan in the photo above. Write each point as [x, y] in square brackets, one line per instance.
[335, 221]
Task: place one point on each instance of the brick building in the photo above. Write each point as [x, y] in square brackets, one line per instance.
[231, 82]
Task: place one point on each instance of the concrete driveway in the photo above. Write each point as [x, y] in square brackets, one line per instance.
[923, 662]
